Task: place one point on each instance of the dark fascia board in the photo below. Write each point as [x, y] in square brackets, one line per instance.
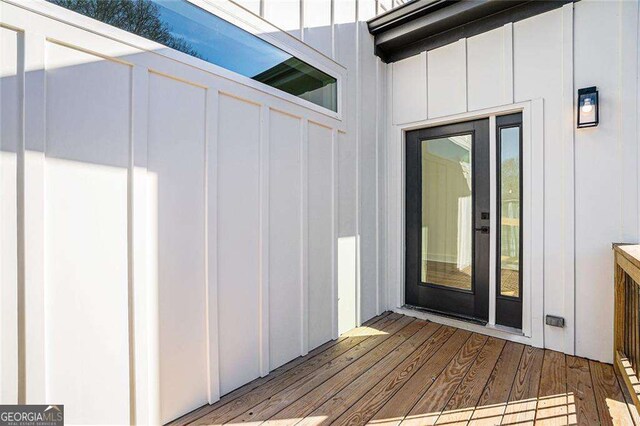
[404, 13]
[398, 38]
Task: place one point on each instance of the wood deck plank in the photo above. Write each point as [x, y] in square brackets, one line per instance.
[494, 398]
[331, 409]
[379, 321]
[427, 410]
[360, 412]
[398, 370]
[628, 398]
[521, 408]
[553, 404]
[328, 380]
[353, 345]
[580, 390]
[460, 407]
[612, 407]
[395, 410]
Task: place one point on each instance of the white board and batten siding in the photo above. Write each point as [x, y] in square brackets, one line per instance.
[179, 223]
[589, 176]
[336, 29]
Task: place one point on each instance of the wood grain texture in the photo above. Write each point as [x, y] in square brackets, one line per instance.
[611, 405]
[523, 399]
[343, 400]
[553, 404]
[399, 370]
[494, 398]
[379, 321]
[239, 405]
[360, 412]
[428, 408]
[332, 377]
[580, 389]
[395, 410]
[460, 407]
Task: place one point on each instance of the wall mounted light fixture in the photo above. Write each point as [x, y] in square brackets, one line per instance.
[588, 108]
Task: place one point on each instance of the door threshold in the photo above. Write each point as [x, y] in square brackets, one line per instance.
[497, 331]
[458, 317]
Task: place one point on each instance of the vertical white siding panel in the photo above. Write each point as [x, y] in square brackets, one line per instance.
[87, 157]
[213, 307]
[347, 54]
[537, 45]
[11, 74]
[409, 80]
[447, 79]
[629, 97]
[320, 212]
[176, 162]
[346, 234]
[145, 297]
[598, 194]
[485, 69]
[381, 181]
[238, 242]
[317, 25]
[285, 239]
[367, 177]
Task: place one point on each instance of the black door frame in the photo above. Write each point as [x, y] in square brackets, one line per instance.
[469, 305]
[508, 308]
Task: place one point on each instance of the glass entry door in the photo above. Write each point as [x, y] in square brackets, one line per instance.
[447, 219]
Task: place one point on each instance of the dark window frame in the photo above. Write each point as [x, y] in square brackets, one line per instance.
[508, 308]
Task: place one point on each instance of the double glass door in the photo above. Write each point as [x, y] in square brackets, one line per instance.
[448, 226]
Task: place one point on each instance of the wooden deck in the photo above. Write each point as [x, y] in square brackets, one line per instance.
[400, 370]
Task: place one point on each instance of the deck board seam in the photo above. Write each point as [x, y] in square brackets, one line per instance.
[461, 380]
[215, 406]
[346, 366]
[426, 389]
[320, 384]
[420, 348]
[371, 367]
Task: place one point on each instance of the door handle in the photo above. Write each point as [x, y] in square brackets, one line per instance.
[483, 229]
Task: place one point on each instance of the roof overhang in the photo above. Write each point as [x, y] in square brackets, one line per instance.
[421, 25]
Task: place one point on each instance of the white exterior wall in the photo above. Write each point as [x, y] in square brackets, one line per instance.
[336, 29]
[590, 180]
[176, 232]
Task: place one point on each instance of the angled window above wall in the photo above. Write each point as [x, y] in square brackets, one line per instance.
[184, 26]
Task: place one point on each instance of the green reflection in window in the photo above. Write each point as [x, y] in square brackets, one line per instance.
[510, 211]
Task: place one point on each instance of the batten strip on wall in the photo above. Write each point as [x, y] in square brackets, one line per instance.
[569, 177]
[334, 233]
[264, 240]
[304, 244]
[131, 311]
[33, 374]
[211, 207]
[507, 52]
[147, 386]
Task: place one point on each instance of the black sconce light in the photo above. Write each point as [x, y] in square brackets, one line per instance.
[588, 113]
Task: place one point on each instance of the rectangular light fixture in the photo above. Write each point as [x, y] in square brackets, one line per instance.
[588, 108]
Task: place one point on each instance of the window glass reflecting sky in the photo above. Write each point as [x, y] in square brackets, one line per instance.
[185, 27]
